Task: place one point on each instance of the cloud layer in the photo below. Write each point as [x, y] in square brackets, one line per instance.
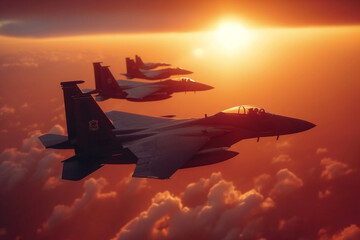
[209, 209]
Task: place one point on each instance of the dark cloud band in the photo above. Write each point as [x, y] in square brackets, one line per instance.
[65, 18]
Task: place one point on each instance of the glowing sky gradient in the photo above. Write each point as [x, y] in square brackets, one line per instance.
[66, 18]
[304, 186]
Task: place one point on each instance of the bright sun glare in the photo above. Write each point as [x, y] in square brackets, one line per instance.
[231, 35]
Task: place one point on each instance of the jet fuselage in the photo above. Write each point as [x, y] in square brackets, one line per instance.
[223, 130]
[157, 74]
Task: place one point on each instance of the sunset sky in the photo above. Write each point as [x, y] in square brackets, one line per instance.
[295, 59]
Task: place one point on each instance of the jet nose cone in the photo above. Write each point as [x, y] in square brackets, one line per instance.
[309, 125]
[286, 125]
[207, 87]
[187, 72]
[304, 125]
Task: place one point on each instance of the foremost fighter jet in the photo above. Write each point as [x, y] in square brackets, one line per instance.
[158, 146]
[107, 87]
[132, 71]
[147, 66]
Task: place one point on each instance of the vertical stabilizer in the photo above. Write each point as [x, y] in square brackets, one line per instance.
[93, 128]
[131, 67]
[70, 89]
[138, 61]
[109, 86]
[97, 74]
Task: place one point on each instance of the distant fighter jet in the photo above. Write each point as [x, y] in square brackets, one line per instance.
[107, 87]
[147, 66]
[132, 71]
[158, 146]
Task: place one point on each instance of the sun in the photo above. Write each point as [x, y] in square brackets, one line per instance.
[231, 35]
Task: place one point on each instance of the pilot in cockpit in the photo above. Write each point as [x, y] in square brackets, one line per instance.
[250, 111]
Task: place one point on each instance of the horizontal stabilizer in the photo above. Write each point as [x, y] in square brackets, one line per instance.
[100, 98]
[55, 141]
[76, 168]
[90, 91]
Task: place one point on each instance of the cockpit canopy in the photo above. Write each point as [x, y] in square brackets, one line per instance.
[184, 79]
[246, 110]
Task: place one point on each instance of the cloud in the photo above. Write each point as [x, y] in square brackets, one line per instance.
[224, 213]
[196, 193]
[334, 169]
[282, 158]
[52, 182]
[33, 59]
[324, 194]
[287, 182]
[163, 205]
[24, 61]
[57, 129]
[321, 151]
[351, 232]
[93, 190]
[283, 145]
[30, 160]
[6, 110]
[262, 182]
[24, 105]
[134, 185]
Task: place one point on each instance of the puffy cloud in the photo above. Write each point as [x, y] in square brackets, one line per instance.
[321, 150]
[196, 193]
[287, 182]
[52, 182]
[25, 105]
[29, 59]
[93, 190]
[262, 182]
[288, 223]
[268, 203]
[57, 129]
[224, 213]
[30, 160]
[324, 194]
[22, 62]
[282, 158]
[334, 169]
[163, 205]
[134, 185]
[30, 127]
[349, 233]
[6, 110]
[281, 145]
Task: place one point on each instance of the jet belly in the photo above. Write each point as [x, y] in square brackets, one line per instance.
[227, 140]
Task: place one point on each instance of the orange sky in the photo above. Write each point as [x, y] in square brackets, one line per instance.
[308, 73]
[67, 18]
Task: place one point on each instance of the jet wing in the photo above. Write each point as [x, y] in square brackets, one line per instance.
[142, 91]
[130, 120]
[162, 155]
[151, 73]
[130, 84]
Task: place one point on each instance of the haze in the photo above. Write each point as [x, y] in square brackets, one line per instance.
[301, 186]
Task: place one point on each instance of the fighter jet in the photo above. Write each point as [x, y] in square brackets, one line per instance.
[132, 71]
[147, 66]
[158, 146]
[107, 87]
